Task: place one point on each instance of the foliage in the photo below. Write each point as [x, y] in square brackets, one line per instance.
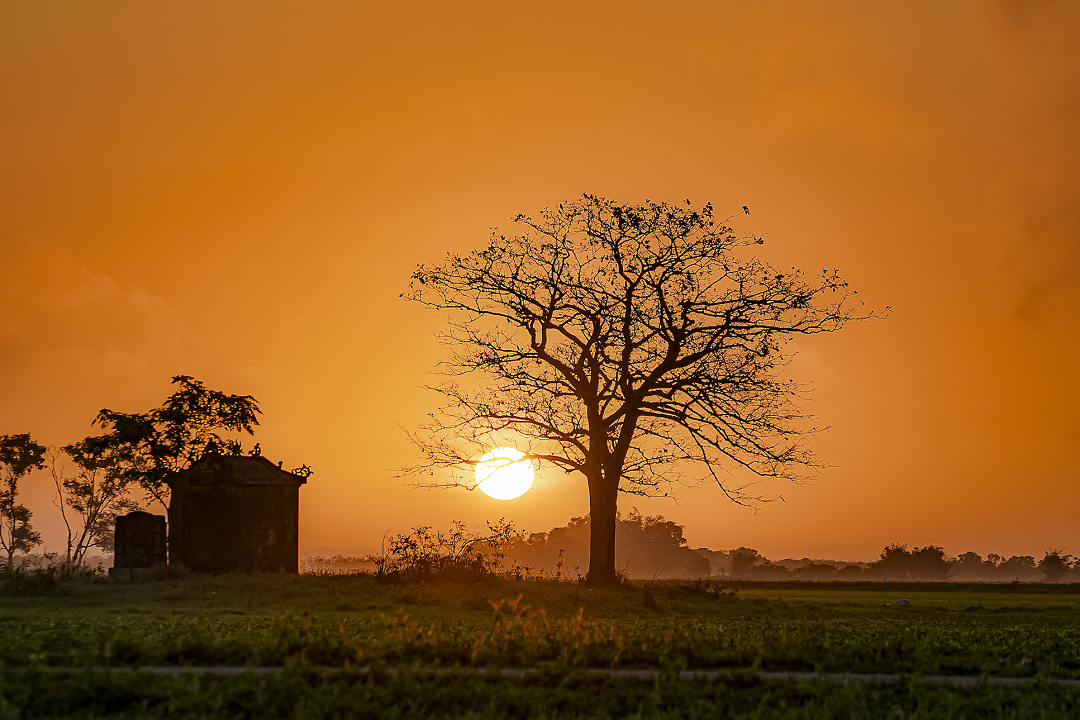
[925, 563]
[342, 620]
[628, 343]
[27, 581]
[337, 565]
[97, 494]
[742, 561]
[1055, 565]
[18, 456]
[308, 693]
[898, 563]
[648, 547]
[460, 554]
[154, 445]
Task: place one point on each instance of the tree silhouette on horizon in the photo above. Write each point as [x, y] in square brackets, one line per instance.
[628, 343]
[154, 445]
[19, 455]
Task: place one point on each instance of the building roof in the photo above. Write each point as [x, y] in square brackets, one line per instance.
[237, 470]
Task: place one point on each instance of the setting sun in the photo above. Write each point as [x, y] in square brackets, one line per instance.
[504, 474]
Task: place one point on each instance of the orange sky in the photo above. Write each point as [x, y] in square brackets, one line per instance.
[238, 191]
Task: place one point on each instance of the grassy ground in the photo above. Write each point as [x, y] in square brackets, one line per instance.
[555, 628]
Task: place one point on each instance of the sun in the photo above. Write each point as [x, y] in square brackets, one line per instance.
[504, 474]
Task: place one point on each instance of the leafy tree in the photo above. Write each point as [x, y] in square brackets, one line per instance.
[743, 561]
[970, 566]
[1020, 567]
[925, 563]
[628, 343]
[97, 494]
[1055, 565]
[850, 571]
[649, 547]
[18, 456]
[817, 572]
[152, 446]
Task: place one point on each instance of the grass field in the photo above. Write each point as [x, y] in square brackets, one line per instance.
[321, 629]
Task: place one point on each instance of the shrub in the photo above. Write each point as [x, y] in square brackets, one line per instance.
[23, 581]
[460, 555]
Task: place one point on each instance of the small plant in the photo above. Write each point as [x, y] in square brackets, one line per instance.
[457, 555]
[25, 581]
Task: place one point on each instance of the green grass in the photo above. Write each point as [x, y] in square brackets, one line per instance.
[555, 628]
[302, 692]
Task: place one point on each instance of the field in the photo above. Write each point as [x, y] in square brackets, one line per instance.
[348, 646]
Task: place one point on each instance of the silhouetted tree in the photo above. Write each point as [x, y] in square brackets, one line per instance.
[96, 494]
[1019, 567]
[1055, 565]
[628, 343]
[768, 570]
[851, 571]
[649, 546]
[968, 566]
[18, 456]
[925, 563]
[152, 446]
[817, 571]
[743, 561]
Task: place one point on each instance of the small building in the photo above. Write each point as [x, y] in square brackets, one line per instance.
[138, 543]
[234, 513]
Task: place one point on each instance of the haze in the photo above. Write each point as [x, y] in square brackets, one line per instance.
[240, 192]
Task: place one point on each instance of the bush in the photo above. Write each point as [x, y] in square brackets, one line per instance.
[22, 581]
[460, 555]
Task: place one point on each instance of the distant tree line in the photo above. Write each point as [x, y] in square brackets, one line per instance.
[655, 547]
[899, 562]
[123, 468]
[649, 547]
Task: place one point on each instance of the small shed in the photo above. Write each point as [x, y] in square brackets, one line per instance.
[139, 542]
[231, 513]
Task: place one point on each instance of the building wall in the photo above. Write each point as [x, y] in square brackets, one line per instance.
[239, 528]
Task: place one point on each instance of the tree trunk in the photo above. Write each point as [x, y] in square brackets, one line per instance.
[603, 498]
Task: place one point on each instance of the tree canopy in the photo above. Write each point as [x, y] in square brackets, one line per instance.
[156, 444]
[630, 343]
[19, 454]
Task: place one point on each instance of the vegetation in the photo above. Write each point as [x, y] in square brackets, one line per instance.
[124, 468]
[18, 456]
[458, 555]
[153, 445]
[53, 633]
[306, 692]
[90, 500]
[628, 343]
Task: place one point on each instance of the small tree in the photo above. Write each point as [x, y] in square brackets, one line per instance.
[18, 456]
[627, 343]
[743, 561]
[1020, 567]
[925, 563]
[97, 495]
[1055, 565]
[152, 446]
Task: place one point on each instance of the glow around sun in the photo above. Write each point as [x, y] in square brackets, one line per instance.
[504, 474]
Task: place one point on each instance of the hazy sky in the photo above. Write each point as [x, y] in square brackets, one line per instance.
[239, 191]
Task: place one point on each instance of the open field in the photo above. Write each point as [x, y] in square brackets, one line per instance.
[321, 629]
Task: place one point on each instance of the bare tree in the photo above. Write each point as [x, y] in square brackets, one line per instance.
[97, 494]
[628, 343]
[18, 456]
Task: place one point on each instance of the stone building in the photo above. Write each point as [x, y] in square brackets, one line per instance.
[233, 513]
[139, 543]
